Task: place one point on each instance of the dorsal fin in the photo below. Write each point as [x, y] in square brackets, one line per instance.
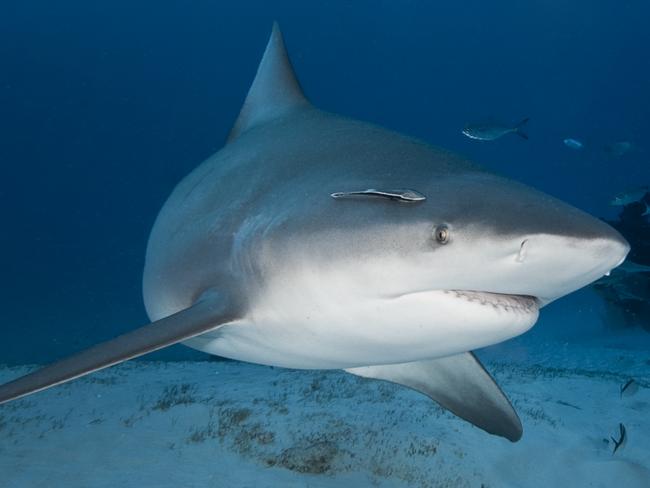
[275, 89]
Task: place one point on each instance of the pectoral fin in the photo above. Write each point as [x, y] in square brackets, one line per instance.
[210, 312]
[458, 383]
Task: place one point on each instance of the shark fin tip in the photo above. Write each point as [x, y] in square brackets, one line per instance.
[275, 89]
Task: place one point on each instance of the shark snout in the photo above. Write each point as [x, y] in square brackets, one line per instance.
[604, 244]
[612, 251]
[603, 253]
[551, 266]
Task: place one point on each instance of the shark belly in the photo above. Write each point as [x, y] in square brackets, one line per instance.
[350, 332]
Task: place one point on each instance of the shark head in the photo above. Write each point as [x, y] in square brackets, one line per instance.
[466, 264]
[478, 232]
[467, 231]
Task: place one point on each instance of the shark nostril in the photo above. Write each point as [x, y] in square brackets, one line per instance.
[523, 251]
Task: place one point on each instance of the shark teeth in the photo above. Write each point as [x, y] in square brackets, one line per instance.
[507, 303]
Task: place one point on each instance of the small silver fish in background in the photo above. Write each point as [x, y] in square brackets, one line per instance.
[489, 131]
[618, 149]
[629, 266]
[621, 282]
[573, 143]
[630, 196]
[620, 443]
[629, 388]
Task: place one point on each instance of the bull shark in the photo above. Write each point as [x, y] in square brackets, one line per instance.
[316, 241]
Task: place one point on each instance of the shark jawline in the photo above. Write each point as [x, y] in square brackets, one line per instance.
[504, 301]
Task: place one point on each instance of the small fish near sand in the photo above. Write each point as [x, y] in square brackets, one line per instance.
[573, 144]
[490, 131]
[620, 443]
[629, 388]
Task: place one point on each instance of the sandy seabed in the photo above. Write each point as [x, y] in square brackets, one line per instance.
[230, 424]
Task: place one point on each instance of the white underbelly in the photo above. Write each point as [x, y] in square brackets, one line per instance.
[345, 333]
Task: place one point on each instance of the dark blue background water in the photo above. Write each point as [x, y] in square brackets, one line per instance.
[105, 105]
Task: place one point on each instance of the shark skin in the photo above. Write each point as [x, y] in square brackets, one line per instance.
[315, 241]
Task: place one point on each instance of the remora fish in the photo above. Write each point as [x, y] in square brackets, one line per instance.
[489, 131]
[317, 241]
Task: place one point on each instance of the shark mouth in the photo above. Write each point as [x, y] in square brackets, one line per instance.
[499, 301]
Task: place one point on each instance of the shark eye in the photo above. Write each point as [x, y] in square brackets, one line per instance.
[441, 233]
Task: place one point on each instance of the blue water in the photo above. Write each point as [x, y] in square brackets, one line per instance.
[105, 106]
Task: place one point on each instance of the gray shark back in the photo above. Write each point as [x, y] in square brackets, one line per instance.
[282, 171]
